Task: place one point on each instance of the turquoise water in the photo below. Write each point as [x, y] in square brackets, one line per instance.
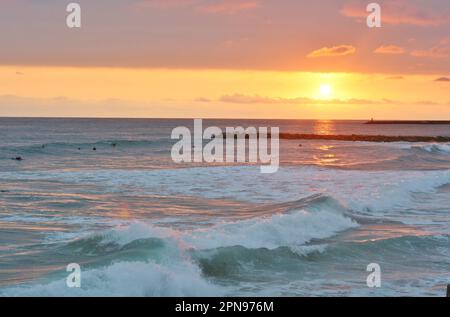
[140, 225]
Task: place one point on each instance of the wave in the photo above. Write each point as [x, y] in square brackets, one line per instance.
[139, 278]
[227, 261]
[433, 148]
[146, 260]
[321, 218]
[173, 271]
[357, 190]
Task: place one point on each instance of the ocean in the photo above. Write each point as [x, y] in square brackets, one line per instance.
[140, 225]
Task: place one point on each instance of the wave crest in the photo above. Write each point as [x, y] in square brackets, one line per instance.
[434, 148]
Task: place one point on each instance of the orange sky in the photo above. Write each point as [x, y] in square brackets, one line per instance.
[226, 58]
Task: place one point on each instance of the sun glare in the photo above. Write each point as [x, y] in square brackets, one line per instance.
[325, 90]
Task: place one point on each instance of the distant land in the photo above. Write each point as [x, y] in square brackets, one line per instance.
[351, 137]
[408, 122]
[364, 138]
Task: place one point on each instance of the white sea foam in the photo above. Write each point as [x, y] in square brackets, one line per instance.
[289, 229]
[297, 228]
[178, 278]
[433, 148]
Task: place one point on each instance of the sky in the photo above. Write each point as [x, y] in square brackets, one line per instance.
[226, 59]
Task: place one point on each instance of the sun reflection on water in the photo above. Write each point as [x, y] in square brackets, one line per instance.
[324, 127]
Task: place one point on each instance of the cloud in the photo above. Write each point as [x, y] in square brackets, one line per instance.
[204, 34]
[396, 77]
[263, 100]
[397, 12]
[390, 50]
[203, 99]
[166, 4]
[245, 99]
[341, 50]
[257, 99]
[229, 6]
[442, 79]
[441, 50]
[204, 6]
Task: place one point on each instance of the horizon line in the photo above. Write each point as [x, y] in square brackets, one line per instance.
[217, 118]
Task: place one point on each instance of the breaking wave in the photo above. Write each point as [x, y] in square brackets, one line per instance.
[433, 148]
[146, 260]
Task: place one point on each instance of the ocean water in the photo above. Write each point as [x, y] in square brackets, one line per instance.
[140, 225]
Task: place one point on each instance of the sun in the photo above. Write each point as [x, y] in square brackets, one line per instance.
[325, 90]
